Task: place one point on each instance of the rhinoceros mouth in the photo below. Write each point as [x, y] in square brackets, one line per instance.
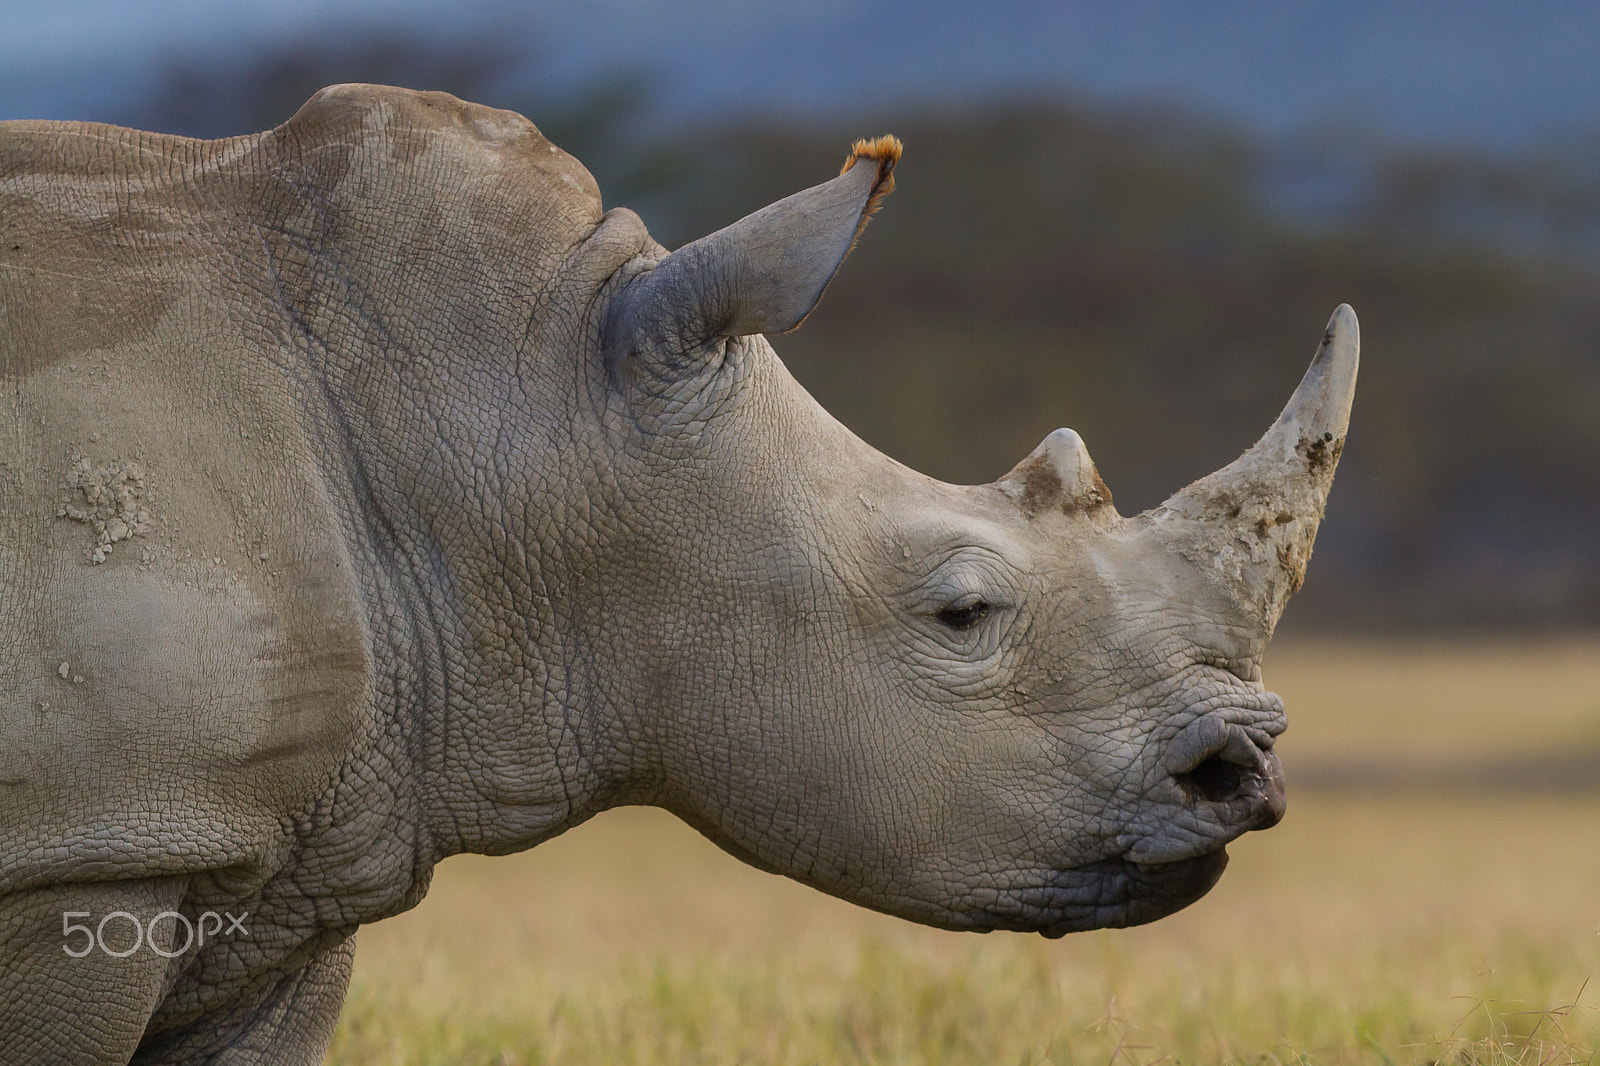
[1105, 895]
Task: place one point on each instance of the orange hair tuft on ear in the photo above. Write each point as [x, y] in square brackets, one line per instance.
[885, 152]
[885, 149]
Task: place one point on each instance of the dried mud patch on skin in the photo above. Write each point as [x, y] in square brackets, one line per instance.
[1293, 564]
[110, 498]
[1268, 522]
[1321, 451]
[1098, 495]
[1042, 488]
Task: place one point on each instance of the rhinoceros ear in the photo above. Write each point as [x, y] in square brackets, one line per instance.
[763, 274]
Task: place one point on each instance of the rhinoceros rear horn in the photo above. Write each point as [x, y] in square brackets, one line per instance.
[1057, 474]
[762, 274]
[1252, 523]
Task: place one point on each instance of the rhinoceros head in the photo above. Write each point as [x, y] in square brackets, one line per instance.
[999, 706]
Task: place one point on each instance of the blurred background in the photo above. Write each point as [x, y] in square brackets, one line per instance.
[1133, 219]
[1128, 218]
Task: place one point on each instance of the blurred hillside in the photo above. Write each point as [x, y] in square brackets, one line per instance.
[1154, 278]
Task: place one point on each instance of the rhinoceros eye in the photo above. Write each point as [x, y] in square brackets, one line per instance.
[965, 614]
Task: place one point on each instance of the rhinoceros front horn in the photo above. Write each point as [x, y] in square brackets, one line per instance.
[1252, 523]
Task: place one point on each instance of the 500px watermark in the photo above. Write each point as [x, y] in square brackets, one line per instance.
[144, 933]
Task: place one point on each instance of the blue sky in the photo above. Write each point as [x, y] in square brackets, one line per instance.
[1471, 71]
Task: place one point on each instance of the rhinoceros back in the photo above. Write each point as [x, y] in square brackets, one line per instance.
[181, 640]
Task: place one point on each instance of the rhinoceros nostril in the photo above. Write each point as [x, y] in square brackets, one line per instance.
[1218, 762]
[1215, 780]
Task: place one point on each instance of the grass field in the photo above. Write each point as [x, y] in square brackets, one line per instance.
[1397, 925]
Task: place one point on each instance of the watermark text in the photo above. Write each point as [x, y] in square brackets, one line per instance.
[82, 938]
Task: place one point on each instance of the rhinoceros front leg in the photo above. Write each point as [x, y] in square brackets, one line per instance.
[291, 1026]
[69, 996]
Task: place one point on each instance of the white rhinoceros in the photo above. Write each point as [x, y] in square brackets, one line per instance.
[373, 496]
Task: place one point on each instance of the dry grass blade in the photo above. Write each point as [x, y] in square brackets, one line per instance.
[1350, 934]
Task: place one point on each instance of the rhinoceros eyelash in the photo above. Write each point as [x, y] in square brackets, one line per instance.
[964, 616]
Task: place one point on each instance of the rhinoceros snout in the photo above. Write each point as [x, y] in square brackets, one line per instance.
[1230, 768]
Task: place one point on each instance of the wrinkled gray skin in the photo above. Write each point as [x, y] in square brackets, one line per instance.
[446, 510]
